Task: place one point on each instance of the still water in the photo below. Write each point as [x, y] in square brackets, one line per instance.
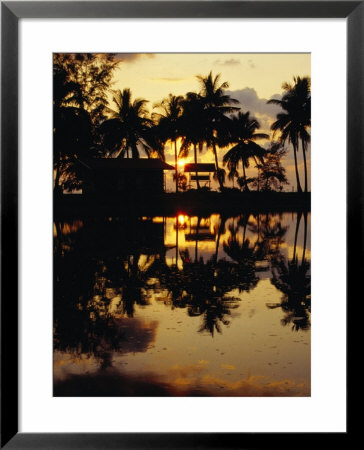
[182, 306]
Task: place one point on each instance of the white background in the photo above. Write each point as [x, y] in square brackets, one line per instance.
[325, 409]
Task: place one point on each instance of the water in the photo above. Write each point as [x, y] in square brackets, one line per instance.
[182, 306]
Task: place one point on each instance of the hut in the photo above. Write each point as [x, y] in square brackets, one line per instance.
[112, 176]
[200, 172]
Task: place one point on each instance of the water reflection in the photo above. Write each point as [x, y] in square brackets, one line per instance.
[293, 279]
[136, 298]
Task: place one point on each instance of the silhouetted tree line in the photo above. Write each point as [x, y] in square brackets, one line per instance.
[91, 119]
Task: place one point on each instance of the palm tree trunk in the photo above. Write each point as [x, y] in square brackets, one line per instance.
[299, 189]
[129, 144]
[133, 148]
[305, 237]
[256, 162]
[176, 240]
[305, 164]
[221, 226]
[296, 235]
[195, 152]
[135, 151]
[175, 163]
[245, 182]
[196, 243]
[217, 166]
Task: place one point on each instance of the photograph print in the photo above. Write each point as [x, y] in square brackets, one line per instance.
[181, 225]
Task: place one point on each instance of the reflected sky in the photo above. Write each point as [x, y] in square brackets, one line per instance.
[206, 306]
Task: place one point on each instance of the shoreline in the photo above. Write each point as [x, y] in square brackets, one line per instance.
[190, 203]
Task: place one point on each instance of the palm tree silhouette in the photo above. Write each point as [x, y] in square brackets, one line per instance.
[219, 230]
[217, 104]
[169, 123]
[131, 280]
[295, 121]
[245, 254]
[72, 126]
[206, 287]
[193, 127]
[243, 134]
[270, 233]
[293, 280]
[131, 123]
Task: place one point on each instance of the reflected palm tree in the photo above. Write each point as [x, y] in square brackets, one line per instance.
[196, 241]
[216, 313]
[245, 254]
[207, 286]
[129, 276]
[80, 324]
[293, 279]
[219, 230]
[93, 292]
[99, 281]
[270, 233]
[172, 279]
[201, 287]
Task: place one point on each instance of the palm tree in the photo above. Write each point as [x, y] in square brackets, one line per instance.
[269, 232]
[72, 127]
[72, 138]
[216, 104]
[294, 281]
[243, 134]
[295, 121]
[244, 253]
[131, 122]
[205, 291]
[169, 123]
[192, 127]
[219, 230]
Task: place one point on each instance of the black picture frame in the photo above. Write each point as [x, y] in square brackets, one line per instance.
[11, 12]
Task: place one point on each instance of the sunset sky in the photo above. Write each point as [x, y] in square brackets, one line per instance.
[253, 79]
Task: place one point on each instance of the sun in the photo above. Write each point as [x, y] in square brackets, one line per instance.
[181, 162]
[182, 221]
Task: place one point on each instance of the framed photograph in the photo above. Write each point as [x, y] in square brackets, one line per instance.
[176, 234]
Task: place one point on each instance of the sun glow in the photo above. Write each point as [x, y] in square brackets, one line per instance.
[182, 163]
[182, 220]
